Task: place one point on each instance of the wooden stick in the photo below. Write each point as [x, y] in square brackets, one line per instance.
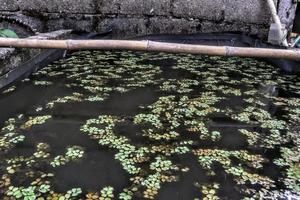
[291, 54]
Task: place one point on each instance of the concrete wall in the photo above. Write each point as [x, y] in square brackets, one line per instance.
[138, 17]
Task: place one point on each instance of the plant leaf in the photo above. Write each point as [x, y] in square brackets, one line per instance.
[8, 33]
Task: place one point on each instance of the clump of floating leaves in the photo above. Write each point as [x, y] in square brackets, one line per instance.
[199, 119]
[35, 120]
[72, 153]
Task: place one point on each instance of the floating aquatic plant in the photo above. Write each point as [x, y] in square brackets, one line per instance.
[72, 153]
[35, 121]
[187, 104]
[20, 192]
[161, 164]
[9, 90]
[107, 193]
[252, 137]
[10, 137]
[210, 191]
[160, 136]
[45, 83]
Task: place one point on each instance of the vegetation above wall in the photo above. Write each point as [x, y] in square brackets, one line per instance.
[8, 33]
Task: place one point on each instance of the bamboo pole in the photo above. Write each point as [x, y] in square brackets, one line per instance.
[276, 20]
[146, 45]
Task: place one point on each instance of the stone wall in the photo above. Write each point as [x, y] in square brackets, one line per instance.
[11, 58]
[138, 17]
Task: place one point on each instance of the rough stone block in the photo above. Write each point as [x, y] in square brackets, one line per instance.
[142, 7]
[71, 21]
[58, 6]
[287, 12]
[247, 11]
[159, 25]
[139, 17]
[108, 6]
[8, 5]
[10, 58]
[210, 27]
[204, 9]
[24, 25]
[251, 29]
[21, 31]
[71, 6]
[123, 27]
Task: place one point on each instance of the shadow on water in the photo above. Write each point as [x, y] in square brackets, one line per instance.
[125, 104]
[185, 188]
[130, 130]
[27, 97]
[60, 133]
[96, 170]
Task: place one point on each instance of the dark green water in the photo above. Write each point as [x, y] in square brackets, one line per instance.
[131, 125]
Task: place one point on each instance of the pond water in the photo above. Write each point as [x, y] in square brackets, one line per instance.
[134, 125]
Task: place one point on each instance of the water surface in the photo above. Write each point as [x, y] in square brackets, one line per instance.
[133, 125]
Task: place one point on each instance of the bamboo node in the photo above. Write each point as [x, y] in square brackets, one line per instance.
[228, 51]
[298, 54]
[147, 45]
[68, 44]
